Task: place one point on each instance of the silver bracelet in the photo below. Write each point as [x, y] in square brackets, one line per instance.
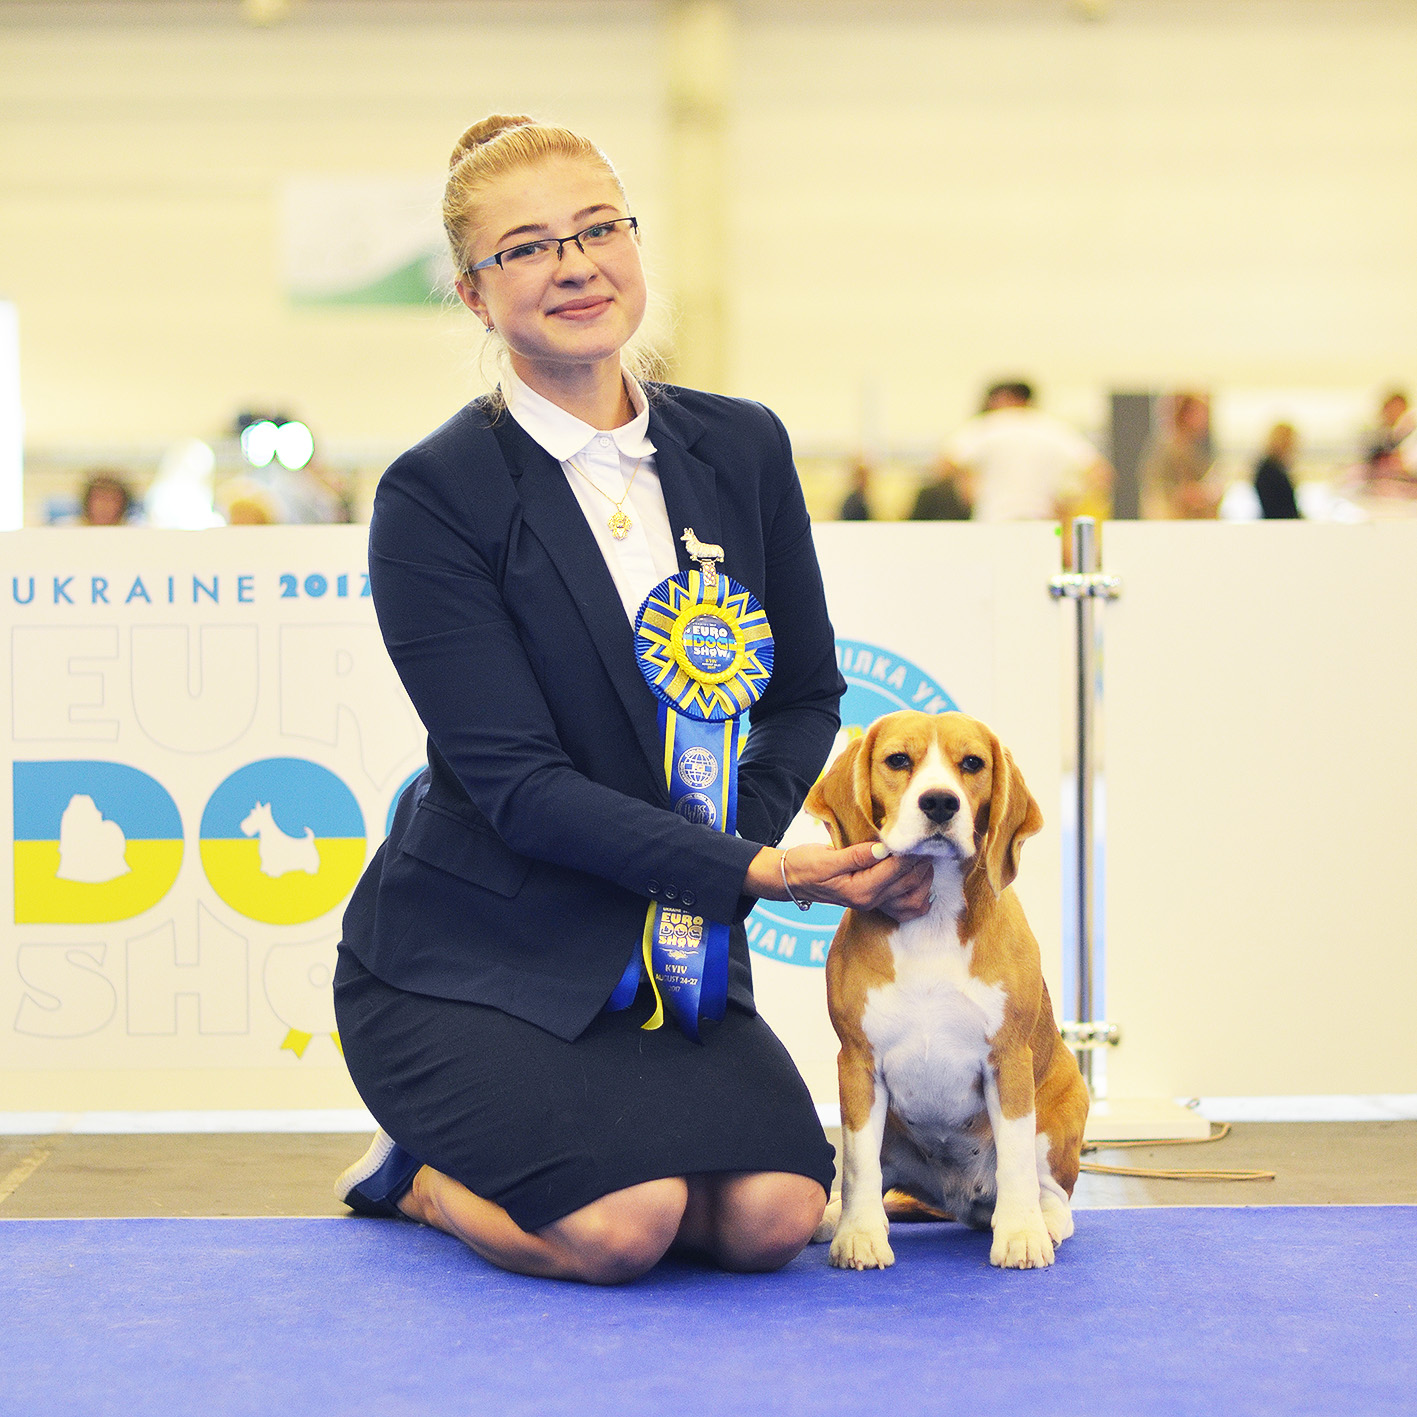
[800, 904]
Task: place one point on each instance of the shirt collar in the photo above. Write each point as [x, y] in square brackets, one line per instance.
[562, 434]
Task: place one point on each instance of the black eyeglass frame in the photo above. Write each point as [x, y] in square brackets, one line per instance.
[495, 259]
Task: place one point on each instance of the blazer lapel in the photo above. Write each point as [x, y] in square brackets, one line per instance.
[552, 512]
[690, 485]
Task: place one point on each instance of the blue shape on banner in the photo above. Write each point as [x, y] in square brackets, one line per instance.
[282, 840]
[93, 842]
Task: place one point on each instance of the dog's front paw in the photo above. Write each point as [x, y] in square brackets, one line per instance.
[858, 1246]
[1057, 1216]
[1021, 1241]
[826, 1226]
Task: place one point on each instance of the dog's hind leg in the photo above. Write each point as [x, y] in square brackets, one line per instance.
[1053, 1200]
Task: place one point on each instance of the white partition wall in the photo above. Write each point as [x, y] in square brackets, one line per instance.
[1261, 760]
[931, 615]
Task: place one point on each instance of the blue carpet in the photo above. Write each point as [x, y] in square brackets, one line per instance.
[1214, 1311]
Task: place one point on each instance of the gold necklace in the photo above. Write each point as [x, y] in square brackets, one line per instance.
[619, 522]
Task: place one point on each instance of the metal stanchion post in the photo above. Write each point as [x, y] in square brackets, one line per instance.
[1085, 586]
[1085, 563]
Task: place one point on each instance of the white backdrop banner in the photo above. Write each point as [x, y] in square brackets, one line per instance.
[207, 738]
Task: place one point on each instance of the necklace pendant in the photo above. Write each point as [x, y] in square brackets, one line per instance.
[619, 525]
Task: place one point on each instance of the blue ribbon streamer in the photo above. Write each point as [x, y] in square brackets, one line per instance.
[681, 633]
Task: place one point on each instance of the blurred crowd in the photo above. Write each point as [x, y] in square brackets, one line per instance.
[1014, 462]
[186, 492]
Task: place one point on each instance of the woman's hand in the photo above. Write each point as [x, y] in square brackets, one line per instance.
[858, 876]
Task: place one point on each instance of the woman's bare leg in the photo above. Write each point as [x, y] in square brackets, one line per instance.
[614, 1239]
[751, 1220]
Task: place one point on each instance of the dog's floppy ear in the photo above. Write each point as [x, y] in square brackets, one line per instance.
[841, 797]
[1013, 817]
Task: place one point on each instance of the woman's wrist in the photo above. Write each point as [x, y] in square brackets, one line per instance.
[764, 878]
[792, 895]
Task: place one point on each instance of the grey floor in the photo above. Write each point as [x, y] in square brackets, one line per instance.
[1316, 1163]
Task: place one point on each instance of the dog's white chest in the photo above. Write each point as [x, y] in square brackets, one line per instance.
[930, 1030]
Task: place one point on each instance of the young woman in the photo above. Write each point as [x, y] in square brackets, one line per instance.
[523, 1109]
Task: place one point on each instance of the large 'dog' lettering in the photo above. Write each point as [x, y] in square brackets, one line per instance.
[956, 1088]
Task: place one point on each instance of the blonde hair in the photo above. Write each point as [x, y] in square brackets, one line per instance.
[503, 143]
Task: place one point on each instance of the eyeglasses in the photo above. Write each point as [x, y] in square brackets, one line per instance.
[530, 255]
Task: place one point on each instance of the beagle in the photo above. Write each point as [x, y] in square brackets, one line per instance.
[956, 1088]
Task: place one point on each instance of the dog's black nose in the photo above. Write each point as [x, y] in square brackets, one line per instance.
[940, 807]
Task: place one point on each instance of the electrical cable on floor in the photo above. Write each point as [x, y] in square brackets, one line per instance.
[1096, 1168]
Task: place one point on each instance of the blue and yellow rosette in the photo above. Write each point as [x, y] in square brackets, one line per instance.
[705, 647]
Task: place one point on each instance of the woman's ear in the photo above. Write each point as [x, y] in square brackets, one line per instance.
[470, 296]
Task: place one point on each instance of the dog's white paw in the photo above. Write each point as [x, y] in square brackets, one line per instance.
[859, 1246]
[1021, 1241]
[826, 1226]
[1057, 1216]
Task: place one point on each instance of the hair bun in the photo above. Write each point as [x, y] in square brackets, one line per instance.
[490, 127]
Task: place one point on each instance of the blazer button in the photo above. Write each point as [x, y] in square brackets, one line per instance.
[670, 893]
[652, 887]
[688, 897]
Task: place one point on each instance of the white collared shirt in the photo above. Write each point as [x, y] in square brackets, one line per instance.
[593, 459]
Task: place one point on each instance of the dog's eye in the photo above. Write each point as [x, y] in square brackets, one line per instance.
[972, 763]
[899, 761]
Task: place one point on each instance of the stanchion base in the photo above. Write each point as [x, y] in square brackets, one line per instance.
[1143, 1119]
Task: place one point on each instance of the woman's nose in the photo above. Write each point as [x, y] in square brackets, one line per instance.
[574, 263]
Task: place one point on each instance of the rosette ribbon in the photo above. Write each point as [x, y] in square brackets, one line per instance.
[706, 650]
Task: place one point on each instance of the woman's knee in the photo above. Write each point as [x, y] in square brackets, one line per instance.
[766, 1218]
[623, 1235]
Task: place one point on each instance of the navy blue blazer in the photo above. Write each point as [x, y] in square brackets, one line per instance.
[520, 865]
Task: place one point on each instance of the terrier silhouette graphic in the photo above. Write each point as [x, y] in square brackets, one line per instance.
[280, 853]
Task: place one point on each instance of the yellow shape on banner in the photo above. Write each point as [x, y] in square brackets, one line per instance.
[234, 869]
[297, 1042]
[41, 898]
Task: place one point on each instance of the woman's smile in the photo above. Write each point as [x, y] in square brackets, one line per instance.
[586, 307]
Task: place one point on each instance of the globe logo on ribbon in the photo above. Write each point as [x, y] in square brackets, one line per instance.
[698, 767]
[878, 681]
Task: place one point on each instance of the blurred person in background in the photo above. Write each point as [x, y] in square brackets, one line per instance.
[105, 499]
[1021, 464]
[1396, 423]
[1390, 461]
[307, 496]
[856, 508]
[1274, 483]
[1177, 481]
[942, 498]
[246, 502]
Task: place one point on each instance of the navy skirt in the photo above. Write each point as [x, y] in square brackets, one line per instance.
[543, 1127]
